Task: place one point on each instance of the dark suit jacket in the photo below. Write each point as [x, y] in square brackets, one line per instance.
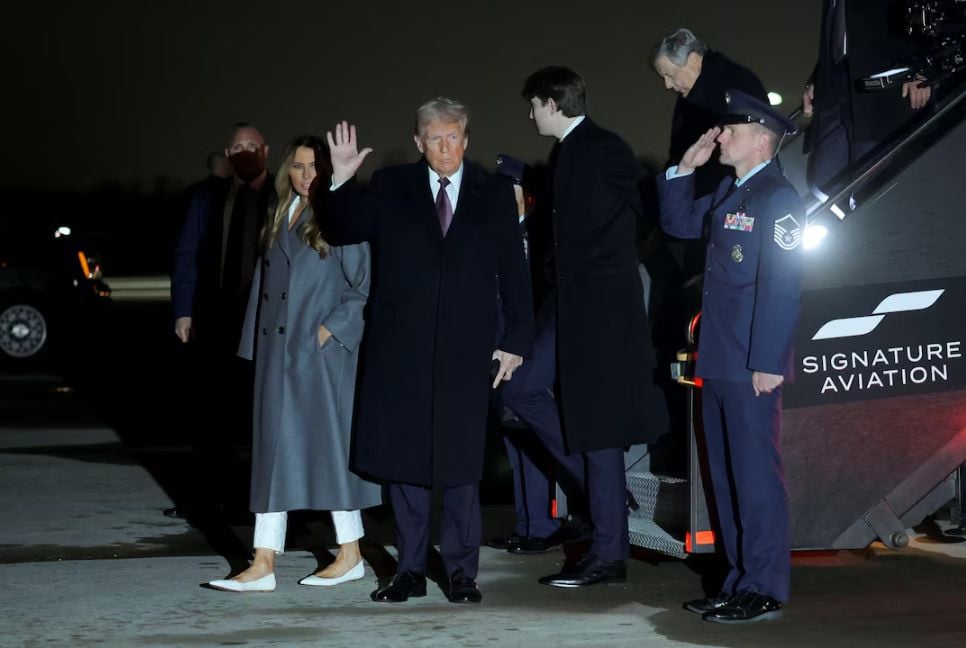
[195, 275]
[608, 392]
[703, 108]
[876, 43]
[432, 311]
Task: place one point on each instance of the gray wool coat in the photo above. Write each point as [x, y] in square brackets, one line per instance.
[304, 393]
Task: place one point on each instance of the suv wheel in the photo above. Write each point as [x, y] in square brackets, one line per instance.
[23, 331]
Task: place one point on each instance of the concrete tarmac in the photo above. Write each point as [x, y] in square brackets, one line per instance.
[87, 559]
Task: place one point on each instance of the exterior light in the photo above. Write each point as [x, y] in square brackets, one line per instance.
[813, 236]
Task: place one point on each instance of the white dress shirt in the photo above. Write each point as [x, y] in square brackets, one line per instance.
[574, 124]
[293, 208]
[452, 189]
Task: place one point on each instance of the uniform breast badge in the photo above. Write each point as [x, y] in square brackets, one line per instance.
[737, 255]
[739, 221]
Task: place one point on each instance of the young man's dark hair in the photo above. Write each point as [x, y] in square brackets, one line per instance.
[561, 84]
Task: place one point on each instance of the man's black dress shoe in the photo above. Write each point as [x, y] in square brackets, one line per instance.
[590, 570]
[700, 606]
[746, 607]
[505, 542]
[403, 585]
[174, 513]
[463, 589]
[534, 545]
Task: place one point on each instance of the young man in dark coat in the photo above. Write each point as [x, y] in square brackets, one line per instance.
[445, 242]
[598, 341]
[750, 304]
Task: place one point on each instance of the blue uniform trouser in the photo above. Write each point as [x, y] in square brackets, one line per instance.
[599, 474]
[743, 437]
[459, 534]
[530, 464]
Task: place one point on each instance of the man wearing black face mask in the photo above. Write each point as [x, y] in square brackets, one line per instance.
[213, 264]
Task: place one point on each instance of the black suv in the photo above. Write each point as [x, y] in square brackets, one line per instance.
[49, 289]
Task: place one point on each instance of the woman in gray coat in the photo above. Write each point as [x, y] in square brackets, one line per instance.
[303, 328]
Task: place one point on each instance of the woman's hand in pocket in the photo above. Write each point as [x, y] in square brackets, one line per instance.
[324, 335]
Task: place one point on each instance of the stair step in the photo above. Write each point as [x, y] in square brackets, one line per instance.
[661, 519]
[658, 495]
[649, 535]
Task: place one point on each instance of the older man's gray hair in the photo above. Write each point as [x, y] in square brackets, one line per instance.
[677, 45]
[442, 109]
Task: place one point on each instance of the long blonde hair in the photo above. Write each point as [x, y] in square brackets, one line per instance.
[308, 230]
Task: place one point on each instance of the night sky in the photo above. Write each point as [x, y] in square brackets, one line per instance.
[100, 93]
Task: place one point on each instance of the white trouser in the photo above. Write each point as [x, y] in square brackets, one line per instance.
[270, 529]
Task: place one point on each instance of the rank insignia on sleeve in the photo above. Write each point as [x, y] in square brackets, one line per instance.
[737, 255]
[788, 233]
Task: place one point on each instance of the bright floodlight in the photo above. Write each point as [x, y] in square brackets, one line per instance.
[774, 99]
[813, 236]
[63, 230]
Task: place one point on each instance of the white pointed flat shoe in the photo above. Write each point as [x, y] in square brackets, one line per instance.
[263, 584]
[355, 573]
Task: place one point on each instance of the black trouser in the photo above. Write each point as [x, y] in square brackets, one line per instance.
[459, 541]
[218, 418]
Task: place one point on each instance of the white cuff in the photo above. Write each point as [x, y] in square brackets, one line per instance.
[270, 531]
[672, 173]
[348, 526]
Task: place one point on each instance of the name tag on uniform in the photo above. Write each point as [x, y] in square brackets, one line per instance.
[738, 221]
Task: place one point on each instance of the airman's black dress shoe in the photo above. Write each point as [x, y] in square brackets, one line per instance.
[463, 589]
[505, 542]
[746, 607]
[700, 606]
[590, 570]
[535, 545]
[403, 585]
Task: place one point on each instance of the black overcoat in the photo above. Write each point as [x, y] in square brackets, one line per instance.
[431, 317]
[609, 397]
[703, 109]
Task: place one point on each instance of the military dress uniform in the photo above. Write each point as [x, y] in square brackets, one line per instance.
[750, 305]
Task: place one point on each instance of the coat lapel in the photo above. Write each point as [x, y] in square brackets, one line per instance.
[422, 197]
[739, 197]
[293, 242]
[284, 237]
[563, 154]
[468, 198]
[744, 192]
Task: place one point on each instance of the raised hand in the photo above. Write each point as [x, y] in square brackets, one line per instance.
[344, 152]
[699, 152]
